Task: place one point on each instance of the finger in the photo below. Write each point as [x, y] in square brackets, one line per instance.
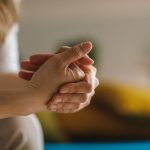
[90, 72]
[86, 60]
[64, 106]
[69, 98]
[64, 111]
[96, 82]
[25, 75]
[75, 53]
[87, 86]
[39, 59]
[79, 87]
[88, 69]
[90, 75]
[83, 105]
[77, 73]
[27, 65]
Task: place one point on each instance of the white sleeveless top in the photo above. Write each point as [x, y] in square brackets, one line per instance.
[9, 55]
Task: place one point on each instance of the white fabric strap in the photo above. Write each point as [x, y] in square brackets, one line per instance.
[9, 57]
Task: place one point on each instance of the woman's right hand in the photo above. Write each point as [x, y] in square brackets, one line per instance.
[55, 72]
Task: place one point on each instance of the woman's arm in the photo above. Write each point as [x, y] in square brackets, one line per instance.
[11, 89]
[71, 97]
[10, 80]
[16, 98]
[33, 95]
[13, 102]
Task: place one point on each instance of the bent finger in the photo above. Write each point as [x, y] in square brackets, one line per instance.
[75, 53]
[26, 75]
[64, 111]
[86, 60]
[69, 98]
[64, 106]
[27, 65]
[78, 87]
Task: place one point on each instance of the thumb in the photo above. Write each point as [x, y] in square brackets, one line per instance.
[75, 53]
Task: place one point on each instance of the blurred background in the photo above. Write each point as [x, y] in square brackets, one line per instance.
[120, 31]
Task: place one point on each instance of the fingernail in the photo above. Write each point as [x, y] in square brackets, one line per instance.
[87, 45]
[64, 91]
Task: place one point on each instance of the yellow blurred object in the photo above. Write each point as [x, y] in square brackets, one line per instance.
[125, 99]
[51, 128]
[112, 115]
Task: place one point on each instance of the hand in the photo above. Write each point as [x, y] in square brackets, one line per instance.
[30, 66]
[56, 71]
[73, 96]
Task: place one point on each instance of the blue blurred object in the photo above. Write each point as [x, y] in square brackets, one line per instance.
[101, 146]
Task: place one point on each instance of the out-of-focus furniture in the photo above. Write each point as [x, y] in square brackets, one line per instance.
[117, 112]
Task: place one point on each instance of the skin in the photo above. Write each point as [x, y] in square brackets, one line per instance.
[71, 97]
[32, 96]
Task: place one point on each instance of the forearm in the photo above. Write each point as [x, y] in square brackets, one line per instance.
[20, 102]
[13, 102]
[16, 97]
[10, 80]
[13, 95]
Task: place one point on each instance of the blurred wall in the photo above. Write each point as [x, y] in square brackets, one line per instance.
[120, 27]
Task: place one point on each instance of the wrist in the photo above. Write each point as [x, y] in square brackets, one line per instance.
[15, 102]
[36, 98]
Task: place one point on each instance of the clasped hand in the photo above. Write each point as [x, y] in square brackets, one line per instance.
[71, 79]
